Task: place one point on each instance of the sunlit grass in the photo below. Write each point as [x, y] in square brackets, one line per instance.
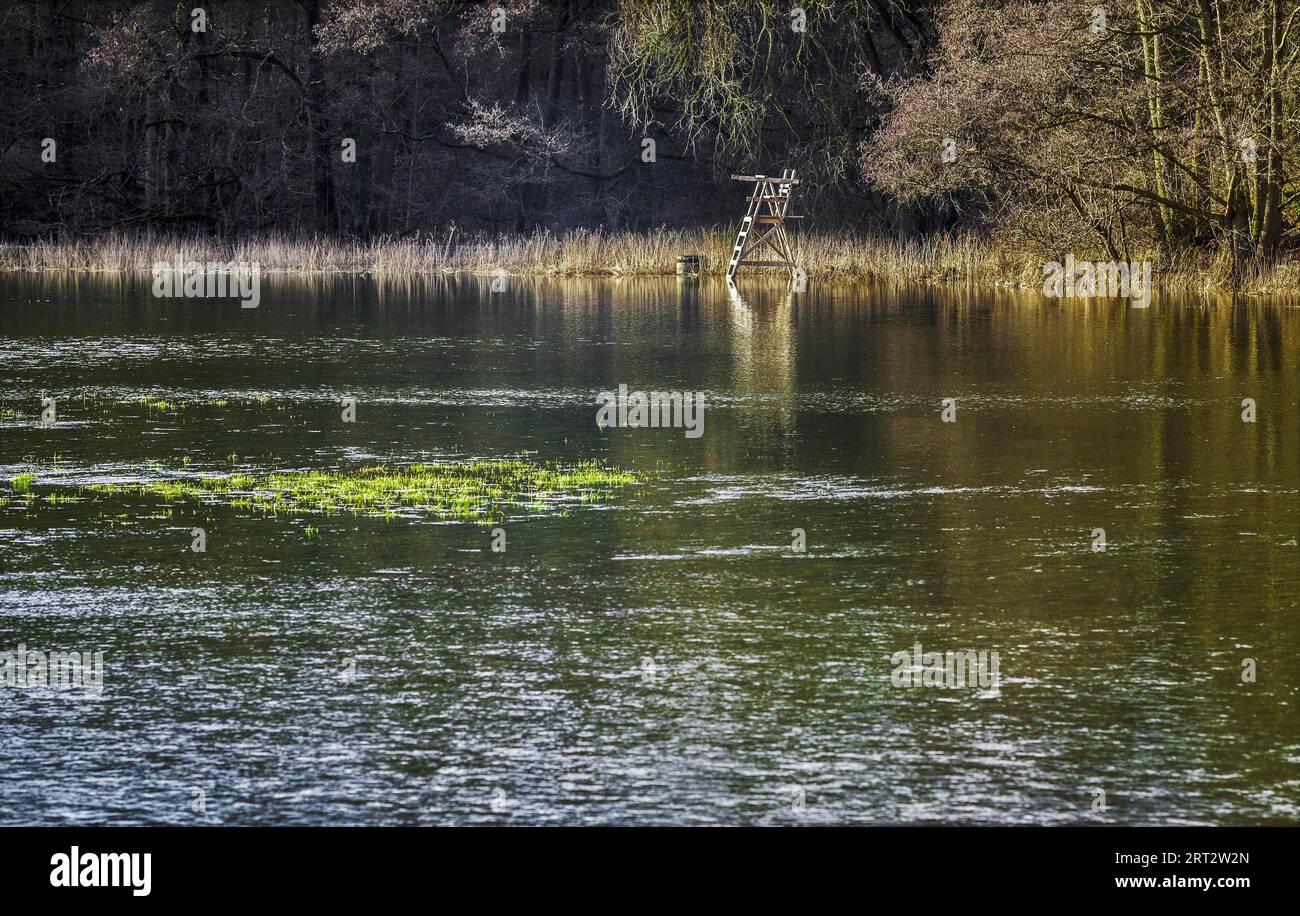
[467, 490]
[21, 483]
[573, 252]
[965, 257]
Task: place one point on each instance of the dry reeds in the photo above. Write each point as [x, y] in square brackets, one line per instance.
[959, 258]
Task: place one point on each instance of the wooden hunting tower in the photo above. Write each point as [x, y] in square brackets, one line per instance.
[768, 207]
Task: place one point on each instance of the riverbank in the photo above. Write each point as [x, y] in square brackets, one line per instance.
[963, 258]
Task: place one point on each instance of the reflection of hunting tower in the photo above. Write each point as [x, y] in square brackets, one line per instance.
[767, 210]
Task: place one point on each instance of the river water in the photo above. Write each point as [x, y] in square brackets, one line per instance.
[666, 656]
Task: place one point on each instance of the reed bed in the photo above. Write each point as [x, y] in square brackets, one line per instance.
[577, 252]
[964, 258]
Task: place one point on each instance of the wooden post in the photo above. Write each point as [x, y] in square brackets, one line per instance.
[774, 195]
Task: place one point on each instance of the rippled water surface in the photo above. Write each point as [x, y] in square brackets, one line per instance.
[665, 656]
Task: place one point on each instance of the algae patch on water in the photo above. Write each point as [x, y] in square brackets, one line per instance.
[469, 490]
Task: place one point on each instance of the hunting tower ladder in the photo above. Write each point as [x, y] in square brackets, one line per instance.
[768, 207]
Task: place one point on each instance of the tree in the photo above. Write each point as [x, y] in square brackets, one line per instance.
[1153, 123]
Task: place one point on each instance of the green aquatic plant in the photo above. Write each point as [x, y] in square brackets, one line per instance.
[21, 483]
[470, 490]
[175, 403]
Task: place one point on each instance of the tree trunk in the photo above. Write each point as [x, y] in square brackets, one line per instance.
[324, 145]
[1155, 114]
[1269, 177]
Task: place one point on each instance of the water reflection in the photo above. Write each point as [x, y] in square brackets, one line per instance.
[525, 673]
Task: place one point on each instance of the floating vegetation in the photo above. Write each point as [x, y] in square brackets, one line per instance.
[160, 404]
[21, 483]
[470, 490]
[179, 401]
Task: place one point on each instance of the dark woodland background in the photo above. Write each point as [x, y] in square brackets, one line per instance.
[240, 127]
[1166, 124]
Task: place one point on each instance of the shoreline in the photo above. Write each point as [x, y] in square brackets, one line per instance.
[946, 260]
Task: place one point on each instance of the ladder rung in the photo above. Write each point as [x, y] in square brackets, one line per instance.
[776, 179]
[765, 264]
[772, 220]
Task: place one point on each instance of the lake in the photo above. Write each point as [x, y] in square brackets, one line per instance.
[667, 655]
